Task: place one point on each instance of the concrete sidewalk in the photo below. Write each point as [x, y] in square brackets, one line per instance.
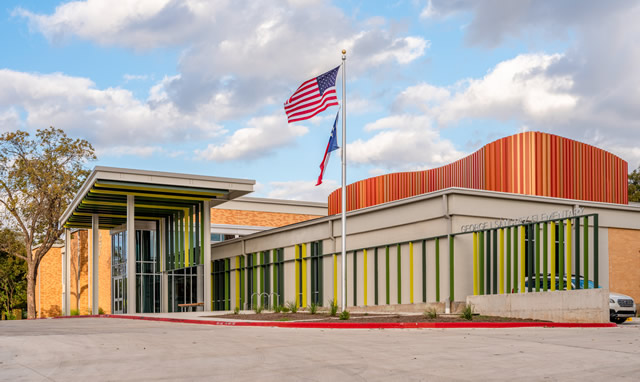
[117, 349]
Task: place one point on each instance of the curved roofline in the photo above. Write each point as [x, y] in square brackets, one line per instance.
[530, 163]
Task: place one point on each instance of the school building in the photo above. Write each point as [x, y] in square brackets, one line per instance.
[521, 215]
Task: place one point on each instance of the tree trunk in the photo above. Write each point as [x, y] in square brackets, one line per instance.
[31, 290]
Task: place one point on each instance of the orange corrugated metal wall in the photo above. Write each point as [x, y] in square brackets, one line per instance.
[530, 163]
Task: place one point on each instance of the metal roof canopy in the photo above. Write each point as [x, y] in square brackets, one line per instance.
[157, 195]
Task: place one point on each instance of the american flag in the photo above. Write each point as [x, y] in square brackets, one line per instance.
[312, 97]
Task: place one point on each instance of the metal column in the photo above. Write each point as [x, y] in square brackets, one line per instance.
[95, 263]
[131, 255]
[65, 273]
[164, 250]
[206, 222]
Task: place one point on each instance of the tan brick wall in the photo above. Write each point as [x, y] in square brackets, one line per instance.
[49, 292]
[49, 284]
[104, 284]
[624, 262]
[256, 218]
[79, 270]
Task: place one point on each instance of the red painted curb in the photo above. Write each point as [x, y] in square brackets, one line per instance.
[369, 325]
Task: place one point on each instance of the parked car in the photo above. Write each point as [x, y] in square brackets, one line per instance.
[621, 306]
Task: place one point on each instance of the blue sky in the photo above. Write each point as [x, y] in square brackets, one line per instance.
[197, 86]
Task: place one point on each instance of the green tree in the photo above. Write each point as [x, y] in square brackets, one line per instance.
[634, 185]
[38, 178]
[13, 284]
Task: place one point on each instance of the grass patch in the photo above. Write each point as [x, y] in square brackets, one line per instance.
[100, 311]
[431, 313]
[345, 315]
[284, 319]
[277, 308]
[313, 308]
[258, 309]
[467, 312]
[333, 308]
[236, 310]
[293, 308]
[74, 312]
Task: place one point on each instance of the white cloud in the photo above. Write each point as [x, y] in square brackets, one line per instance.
[9, 120]
[591, 92]
[422, 95]
[106, 117]
[406, 142]
[428, 11]
[107, 21]
[217, 70]
[302, 190]
[402, 50]
[264, 136]
[119, 151]
[360, 105]
[134, 77]
[495, 21]
[520, 87]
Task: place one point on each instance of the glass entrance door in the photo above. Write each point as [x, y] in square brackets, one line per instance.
[118, 295]
[148, 277]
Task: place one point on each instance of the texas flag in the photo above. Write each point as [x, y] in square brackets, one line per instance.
[331, 146]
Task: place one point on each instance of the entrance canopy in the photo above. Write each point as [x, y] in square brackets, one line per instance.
[157, 195]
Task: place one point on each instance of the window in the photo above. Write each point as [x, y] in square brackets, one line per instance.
[265, 279]
[278, 275]
[221, 279]
[316, 272]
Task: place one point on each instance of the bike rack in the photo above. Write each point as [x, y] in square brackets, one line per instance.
[271, 295]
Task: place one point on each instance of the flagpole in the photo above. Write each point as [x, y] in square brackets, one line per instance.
[344, 182]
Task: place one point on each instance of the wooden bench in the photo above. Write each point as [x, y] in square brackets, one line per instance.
[192, 305]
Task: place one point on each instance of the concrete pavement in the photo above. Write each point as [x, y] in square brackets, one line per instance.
[116, 349]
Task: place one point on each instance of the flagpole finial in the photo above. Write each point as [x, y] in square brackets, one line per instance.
[344, 51]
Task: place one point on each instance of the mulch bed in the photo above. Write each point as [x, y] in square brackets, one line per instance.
[363, 317]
